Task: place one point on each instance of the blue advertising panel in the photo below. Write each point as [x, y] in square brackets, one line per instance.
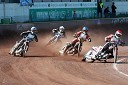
[26, 2]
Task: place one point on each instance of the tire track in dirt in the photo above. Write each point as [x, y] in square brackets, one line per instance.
[42, 66]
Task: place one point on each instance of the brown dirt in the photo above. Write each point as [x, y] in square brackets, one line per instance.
[42, 66]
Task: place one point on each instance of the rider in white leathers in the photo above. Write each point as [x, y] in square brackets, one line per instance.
[59, 31]
[57, 34]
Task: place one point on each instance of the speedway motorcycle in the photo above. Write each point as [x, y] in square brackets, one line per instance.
[55, 39]
[68, 49]
[96, 54]
[20, 48]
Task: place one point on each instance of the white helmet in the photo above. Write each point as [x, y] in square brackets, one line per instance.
[33, 29]
[61, 28]
[85, 28]
[118, 33]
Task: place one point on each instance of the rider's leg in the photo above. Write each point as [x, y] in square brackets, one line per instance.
[21, 42]
[74, 41]
[105, 47]
[110, 53]
[26, 47]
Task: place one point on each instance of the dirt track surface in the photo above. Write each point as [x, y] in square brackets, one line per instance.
[43, 66]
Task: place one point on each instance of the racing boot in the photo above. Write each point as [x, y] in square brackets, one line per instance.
[83, 59]
[61, 51]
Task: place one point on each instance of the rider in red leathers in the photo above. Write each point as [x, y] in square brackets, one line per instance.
[112, 38]
[80, 36]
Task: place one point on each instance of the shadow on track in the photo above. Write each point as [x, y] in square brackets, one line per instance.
[32, 56]
[122, 62]
[123, 57]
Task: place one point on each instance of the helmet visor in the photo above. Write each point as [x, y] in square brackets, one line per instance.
[118, 35]
[35, 31]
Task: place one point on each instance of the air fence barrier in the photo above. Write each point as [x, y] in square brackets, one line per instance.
[67, 24]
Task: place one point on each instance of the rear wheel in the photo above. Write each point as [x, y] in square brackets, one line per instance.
[70, 51]
[89, 60]
[105, 61]
[88, 57]
[83, 59]
[63, 50]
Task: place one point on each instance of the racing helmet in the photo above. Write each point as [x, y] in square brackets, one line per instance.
[61, 28]
[85, 29]
[34, 29]
[118, 33]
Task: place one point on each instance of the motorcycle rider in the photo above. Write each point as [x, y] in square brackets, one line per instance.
[59, 30]
[110, 39]
[80, 36]
[29, 35]
[57, 33]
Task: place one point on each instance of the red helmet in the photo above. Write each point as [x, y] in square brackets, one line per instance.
[118, 33]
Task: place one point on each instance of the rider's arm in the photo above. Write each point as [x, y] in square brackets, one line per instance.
[108, 38]
[121, 43]
[36, 39]
[23, 34]
[88, 37]
[53, 30]
[77, 34]
[64, 34]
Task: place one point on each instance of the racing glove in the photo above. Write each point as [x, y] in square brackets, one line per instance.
[89, 39]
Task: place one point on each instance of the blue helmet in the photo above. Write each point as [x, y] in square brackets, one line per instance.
[85, 29]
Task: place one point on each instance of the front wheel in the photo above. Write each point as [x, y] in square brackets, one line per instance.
[115, 54]
[13, 49]
[70, 51]
[88, 57]
[63, 50]
[88, 60]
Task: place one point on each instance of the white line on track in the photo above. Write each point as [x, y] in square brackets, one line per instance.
[115, 67]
